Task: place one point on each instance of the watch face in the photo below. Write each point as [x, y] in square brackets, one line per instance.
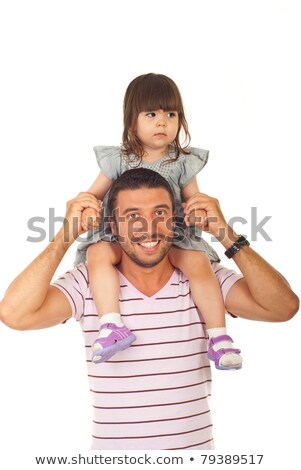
[242, 241]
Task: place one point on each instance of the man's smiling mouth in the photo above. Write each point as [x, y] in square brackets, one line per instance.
[149, 244]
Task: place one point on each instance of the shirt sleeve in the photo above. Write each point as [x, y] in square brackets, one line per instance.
[74, 285]
[109, 161]
[192, 164]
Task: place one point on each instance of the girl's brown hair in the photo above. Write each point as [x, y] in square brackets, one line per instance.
[151, 92]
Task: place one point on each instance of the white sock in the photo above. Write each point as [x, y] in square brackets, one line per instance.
[229, 359]
[111, 318]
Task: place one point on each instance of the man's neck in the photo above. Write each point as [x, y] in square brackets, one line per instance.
[148, 280]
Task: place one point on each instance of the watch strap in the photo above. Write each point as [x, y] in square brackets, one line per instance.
[240, 242]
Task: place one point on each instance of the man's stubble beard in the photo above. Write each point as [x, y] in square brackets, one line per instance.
[143, 263]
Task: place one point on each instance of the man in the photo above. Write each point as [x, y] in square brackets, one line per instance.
[154, 395]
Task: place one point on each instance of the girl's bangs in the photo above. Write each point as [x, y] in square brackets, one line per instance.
[155, 96]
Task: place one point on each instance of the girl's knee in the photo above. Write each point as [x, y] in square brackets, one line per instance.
[105, 252]
[188, 260]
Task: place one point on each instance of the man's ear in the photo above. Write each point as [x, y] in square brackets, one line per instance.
[113, 226]
[174, 218]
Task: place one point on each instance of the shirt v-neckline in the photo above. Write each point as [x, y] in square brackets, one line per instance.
[125, 281]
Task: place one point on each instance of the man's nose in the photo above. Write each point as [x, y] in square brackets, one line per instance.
[141, 226]
[147, 226]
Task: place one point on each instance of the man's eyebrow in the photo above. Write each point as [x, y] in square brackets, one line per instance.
[133, 209]
[162, 206]
[130, 209]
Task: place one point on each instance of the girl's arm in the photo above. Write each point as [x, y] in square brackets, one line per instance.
[190, 189]
[187, 192]
[100, 186]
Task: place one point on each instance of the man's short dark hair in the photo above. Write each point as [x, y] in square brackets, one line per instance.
[137, 178]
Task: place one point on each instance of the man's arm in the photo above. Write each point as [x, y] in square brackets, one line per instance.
[263, 293]
[30, 302]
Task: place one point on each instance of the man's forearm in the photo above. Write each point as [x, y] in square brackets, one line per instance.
[267, 286]
[28, 291]
[264, 290]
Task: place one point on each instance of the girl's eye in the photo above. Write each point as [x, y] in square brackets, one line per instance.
[172, 114]
[151, 114]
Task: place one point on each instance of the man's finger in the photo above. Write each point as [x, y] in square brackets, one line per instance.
[202, 200]
[196, 217]
[83, 201]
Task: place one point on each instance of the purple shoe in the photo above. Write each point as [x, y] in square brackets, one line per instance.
[215, 356]
[119, 338]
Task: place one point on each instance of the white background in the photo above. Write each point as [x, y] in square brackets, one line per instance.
[65, 67]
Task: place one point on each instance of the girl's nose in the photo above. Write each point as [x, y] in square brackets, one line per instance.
[161, 121]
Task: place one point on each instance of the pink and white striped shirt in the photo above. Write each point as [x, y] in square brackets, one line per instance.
[154, 395]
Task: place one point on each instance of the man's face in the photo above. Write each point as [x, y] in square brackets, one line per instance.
[143, 224]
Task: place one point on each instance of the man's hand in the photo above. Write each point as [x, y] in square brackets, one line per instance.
[205, 212]
[74, 224]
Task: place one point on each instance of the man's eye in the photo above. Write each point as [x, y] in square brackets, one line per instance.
[160, 213]
[133, 216]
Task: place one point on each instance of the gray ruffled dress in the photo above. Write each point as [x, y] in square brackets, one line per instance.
[178, 173]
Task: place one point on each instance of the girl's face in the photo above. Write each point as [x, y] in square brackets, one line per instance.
[156, 130]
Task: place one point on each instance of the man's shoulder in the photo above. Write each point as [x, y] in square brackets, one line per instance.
[74, 284]
[80, 271]
[180, 276]
[78, 275]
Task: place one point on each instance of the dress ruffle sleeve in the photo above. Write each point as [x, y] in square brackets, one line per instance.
[109, 160]
[192, 164]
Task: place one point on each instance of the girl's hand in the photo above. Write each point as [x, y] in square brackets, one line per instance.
[90, 219]
[195, 217]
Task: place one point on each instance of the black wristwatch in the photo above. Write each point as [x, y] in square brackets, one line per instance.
[242, 241]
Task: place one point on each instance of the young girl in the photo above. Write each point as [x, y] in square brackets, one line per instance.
[153, 120]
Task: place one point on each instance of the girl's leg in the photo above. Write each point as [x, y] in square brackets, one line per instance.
[104, 282]
[206, 293]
